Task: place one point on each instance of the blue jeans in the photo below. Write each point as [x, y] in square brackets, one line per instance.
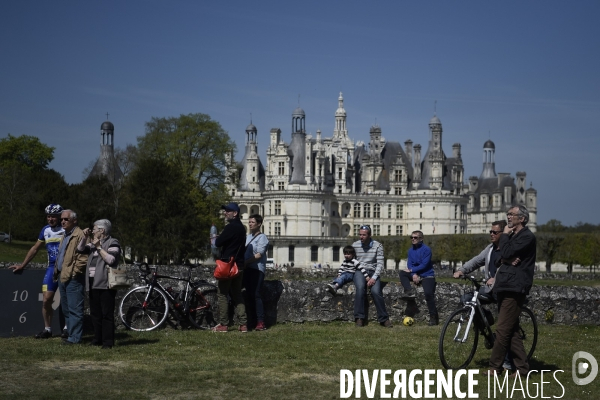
[72, 294]
[345, 277]
[360, 297]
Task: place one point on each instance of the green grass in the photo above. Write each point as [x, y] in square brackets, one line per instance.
[16, 251]
[292, 361]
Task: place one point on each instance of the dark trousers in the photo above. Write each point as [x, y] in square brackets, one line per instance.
[507, 336]
[102, 311]
[233, 288]
[253, 281]
[428, 284]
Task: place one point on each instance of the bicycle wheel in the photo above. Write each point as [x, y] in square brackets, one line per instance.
[139, 318]
[454, 349]
[203, 306]
[528, 329]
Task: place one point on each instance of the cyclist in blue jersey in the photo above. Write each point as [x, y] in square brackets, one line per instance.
[50, 237]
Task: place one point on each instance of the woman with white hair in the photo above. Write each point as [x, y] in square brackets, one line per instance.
[104, 252]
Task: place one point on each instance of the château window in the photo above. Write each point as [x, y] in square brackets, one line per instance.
[277, 228]
[281, 185]
[270, 251]
[314, 253]
[357, 210]
[389, 230]
[367, 210]
[389, 211]
[399, 230]
[277, 207]
[376, 230]
[336, 253]
[291, 249]
[399, 211]
[356, 230]
[376, 211]
[281, 168]
[398, 175]
[397, 191]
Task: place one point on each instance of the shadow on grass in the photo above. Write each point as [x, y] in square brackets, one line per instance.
[125, 339]
[534, 364]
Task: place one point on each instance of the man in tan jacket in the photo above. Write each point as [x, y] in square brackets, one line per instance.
[70, 273]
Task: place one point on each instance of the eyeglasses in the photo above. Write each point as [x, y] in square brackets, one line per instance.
[495, 232]
[513, 215]
[415, 237]
[65, 219]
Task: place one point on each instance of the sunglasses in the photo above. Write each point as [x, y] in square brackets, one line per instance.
[495, 232]
[366, 227]
[65, 219]
[415, 237]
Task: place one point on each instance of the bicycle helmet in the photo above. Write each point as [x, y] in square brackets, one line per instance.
[54, 209]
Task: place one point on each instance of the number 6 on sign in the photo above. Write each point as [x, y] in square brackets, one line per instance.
[22, 297]
[23, 318]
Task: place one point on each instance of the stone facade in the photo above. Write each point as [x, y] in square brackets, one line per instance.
[316, 192]
[491, 195]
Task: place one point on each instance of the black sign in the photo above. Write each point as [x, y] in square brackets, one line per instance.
[21, 303]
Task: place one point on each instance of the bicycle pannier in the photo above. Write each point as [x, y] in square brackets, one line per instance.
[117, 277]
[226, 270]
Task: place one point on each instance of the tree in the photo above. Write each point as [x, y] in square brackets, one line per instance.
[22, 159]
[395, 248]
[553, 226]
[193, 143]
[569, 250]
[548, 245]
[161, 213]
[93, 199]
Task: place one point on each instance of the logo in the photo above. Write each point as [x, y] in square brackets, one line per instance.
[580, 368]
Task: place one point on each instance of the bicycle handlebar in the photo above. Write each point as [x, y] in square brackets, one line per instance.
[473, 280]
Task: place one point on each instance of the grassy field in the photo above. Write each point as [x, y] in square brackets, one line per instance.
[292, 361]
[16, 251]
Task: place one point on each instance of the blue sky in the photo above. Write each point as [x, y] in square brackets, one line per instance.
[523, 73]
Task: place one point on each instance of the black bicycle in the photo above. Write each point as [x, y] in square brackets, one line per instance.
[460, 333]
[145, 308]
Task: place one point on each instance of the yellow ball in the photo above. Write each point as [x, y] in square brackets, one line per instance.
[408, 321]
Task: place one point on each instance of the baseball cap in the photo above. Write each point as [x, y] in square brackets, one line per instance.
[231, 207]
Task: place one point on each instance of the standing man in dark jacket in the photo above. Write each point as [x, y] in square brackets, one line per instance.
[232, 243]
[514, 279]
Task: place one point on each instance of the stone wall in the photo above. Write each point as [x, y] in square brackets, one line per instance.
[300, 296]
